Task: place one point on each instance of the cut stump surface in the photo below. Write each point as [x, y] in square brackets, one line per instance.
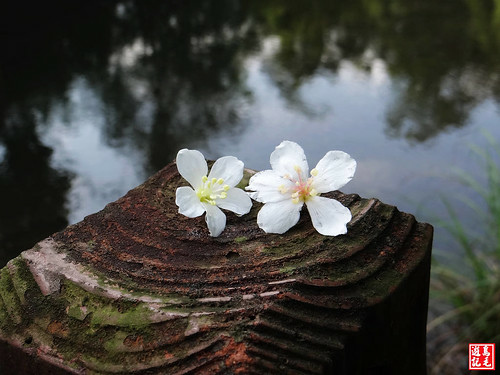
[139, 289]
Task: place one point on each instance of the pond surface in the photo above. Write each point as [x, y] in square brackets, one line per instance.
[97, 96]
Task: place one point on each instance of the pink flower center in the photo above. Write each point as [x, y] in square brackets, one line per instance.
[303, 189]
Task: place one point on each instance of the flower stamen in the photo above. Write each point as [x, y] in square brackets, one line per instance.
[211, 190]
[282, 189]
[303, 190]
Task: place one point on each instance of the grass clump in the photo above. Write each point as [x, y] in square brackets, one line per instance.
[466, 292]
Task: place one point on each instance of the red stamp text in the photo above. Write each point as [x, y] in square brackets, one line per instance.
[481, 356]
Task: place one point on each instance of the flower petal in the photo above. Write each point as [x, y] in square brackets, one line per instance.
[266, 187]
[229, 168]
[328, 216]
[278, 217]
[286, 157]
[334, 171]
[236, 200]
[189, 204]
[215, 218]
[192, 166]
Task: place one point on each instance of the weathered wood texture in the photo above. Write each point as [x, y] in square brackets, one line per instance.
[139, 289]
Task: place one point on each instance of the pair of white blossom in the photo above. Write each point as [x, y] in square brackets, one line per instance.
[283, 190]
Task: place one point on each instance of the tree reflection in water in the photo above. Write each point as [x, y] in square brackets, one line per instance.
[167, 74]
[32, 192]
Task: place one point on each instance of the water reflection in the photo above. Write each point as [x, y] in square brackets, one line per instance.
[443, 57]
[32, 192]
[178, 74]
[116, 88]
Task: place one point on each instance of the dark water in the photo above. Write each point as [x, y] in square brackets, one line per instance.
[96, 96]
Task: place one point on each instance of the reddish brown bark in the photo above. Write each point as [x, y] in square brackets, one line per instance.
[138, 288]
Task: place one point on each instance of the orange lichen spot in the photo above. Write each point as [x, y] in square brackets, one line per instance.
[58, 329]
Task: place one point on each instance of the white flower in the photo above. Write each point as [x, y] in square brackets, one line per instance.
[286, 188]
[212, 191]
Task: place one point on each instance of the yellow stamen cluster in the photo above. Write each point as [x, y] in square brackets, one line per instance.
[283, 189]
[212, 190]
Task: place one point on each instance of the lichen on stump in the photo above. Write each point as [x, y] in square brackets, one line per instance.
[139, 289]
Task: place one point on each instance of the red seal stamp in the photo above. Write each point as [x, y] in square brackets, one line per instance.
[481, 356]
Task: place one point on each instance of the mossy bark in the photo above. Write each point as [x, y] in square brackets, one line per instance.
[138, 288]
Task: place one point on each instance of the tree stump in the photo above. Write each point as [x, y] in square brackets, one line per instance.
[139, 289]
